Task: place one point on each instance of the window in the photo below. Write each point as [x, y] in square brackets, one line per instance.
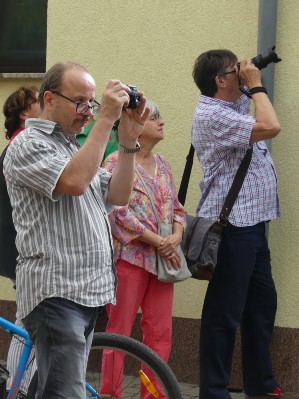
[23, 36]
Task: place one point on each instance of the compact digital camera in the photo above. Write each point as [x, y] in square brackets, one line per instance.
[135, 97]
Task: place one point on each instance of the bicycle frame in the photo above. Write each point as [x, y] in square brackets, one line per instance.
[11, 328]
[127, 345]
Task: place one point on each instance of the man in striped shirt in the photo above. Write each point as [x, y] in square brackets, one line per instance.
[242, 290]
[60, 198]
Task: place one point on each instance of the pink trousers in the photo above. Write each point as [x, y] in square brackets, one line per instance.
[136, 289]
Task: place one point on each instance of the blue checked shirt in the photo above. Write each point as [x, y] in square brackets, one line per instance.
[221, 135]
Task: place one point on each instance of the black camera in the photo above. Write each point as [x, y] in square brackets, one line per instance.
[261, 61]
[135, 97]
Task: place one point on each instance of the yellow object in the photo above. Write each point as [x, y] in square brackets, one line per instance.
[148, 384]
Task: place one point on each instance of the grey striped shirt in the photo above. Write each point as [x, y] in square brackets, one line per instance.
[64, 242]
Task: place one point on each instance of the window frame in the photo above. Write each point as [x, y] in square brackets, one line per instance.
[15, 56]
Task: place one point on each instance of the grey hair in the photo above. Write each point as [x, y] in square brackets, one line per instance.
[154, 110]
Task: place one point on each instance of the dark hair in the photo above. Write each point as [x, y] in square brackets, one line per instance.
[14, 105]
[207, 66]
[53, 79]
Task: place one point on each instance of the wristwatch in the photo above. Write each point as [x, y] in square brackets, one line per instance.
[121, 148]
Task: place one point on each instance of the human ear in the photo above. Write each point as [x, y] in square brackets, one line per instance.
[220, 81]
[23, 115]
[48, 99]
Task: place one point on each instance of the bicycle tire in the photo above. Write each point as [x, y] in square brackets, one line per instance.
[135, 353]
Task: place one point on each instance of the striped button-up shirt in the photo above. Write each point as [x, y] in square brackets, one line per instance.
[221, 135]
[64, 242]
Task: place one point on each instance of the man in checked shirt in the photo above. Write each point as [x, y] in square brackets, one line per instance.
[242, 290]
[60, 198]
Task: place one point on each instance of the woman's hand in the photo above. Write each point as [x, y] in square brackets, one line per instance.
[173, 261]
[167, 249]
[169, 244]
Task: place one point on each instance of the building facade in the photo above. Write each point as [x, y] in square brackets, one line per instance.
[154, 44]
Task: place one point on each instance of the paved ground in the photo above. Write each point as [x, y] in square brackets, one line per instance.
[190, 391]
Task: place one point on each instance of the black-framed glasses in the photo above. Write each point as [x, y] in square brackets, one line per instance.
[81, 108]
[227, 73]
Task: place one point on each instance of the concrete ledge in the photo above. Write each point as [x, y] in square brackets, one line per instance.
[22, 75]
[185, 353]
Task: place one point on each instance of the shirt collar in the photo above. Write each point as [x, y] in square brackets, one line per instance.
[48, 127]
[217, 101]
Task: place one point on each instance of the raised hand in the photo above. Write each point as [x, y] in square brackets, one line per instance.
[132, 122]
[250, 75]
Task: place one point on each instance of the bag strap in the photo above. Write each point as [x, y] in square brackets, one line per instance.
[2, 156]
[186, 176]
[149, 195]
[235, 187]
[233, 191]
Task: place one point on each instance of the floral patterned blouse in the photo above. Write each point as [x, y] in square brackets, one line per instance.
[129, 222]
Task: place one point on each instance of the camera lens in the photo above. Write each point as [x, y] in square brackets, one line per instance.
[263, 60]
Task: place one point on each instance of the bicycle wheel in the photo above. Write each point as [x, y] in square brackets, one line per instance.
[130, 368]
[140, 369]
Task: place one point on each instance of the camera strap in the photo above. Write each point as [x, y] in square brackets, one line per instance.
[241, 88]
[245, 91]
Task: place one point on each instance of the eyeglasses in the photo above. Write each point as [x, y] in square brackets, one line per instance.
[81, 108]
[227, 73]
[155, 118]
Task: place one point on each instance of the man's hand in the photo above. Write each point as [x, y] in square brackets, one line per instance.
[131, 123]
[267, 125]
[114, 98]
[250, 75]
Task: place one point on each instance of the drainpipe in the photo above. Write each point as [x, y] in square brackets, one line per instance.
[267, 39]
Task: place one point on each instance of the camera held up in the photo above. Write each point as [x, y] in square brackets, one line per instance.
[261, 61]
[134, 102]
[135, 97]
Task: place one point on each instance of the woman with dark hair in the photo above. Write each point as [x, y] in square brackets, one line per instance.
[19, 106]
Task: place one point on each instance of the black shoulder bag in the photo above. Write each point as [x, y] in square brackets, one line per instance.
[202, 236]
[8, 250]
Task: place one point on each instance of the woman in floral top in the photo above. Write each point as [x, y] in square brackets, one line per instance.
[136, 242]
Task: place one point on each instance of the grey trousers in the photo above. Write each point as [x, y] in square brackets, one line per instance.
[62, 332]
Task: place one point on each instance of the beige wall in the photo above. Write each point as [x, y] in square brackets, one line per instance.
[153, 44]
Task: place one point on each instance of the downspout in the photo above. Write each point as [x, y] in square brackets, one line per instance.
[267, 39]
[267, 19]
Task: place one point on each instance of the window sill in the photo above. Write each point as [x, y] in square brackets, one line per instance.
[25, 75]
